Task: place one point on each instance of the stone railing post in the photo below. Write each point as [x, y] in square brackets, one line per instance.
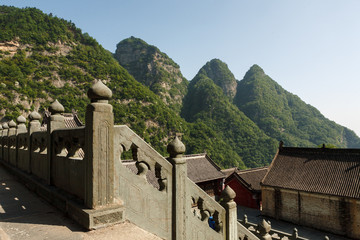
[11, 132]
[229, 204]
[99, 148]
[34, 126]
[4, 139]
[179, 176]
[295, 234]
[264, 228]
[1, 141]
[21, 128]
[12, 128]
[56, 121]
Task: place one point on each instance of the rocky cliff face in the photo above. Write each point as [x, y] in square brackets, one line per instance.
[154, 69]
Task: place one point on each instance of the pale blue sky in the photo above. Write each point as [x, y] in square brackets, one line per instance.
[311, 48]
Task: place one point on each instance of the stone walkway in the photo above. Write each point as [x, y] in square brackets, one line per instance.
[305, 232]
[25, 216]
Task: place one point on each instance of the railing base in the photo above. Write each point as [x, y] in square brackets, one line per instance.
[88, 218]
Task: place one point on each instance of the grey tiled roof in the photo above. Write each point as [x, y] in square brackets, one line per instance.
[318, 170]
[201, 168]
[253, 176]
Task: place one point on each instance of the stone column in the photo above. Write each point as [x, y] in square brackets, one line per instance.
[176, 149]
[4, 140]
[56, 121]
[229, 204]
[99, 148]
[34, 126]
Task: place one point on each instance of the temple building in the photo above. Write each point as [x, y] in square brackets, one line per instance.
[315, 187]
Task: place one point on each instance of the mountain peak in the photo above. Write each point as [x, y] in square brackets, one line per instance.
[254, 70]
[154, 69]
[220, 74]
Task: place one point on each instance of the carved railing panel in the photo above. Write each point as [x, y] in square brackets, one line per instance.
[67, 165]
[40, 165]
[144, 183]
[201, 209]
[23, 161]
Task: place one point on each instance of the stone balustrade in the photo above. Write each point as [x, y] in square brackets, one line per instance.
[82, 172]
[263, 230]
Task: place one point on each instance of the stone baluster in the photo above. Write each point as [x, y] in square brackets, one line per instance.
[229, 204]
[99, 148]
[176, 149]
[4, 140]
[56, 121]
[264, 228]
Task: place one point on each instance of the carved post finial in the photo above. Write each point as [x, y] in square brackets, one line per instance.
[5, 125]
[56, 108]
[12, 124]
[34, 116]
[176, 148]
[228, 194]
[21, 119]
[99, 92]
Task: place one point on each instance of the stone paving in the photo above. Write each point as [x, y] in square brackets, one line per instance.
[23, 215]
[254, 216]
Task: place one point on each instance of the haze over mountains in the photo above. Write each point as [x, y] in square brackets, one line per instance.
[238, 123]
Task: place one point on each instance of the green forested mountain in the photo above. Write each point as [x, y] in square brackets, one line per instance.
[154, 69]
[284, 116]
[206, 102]
[238, 123]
